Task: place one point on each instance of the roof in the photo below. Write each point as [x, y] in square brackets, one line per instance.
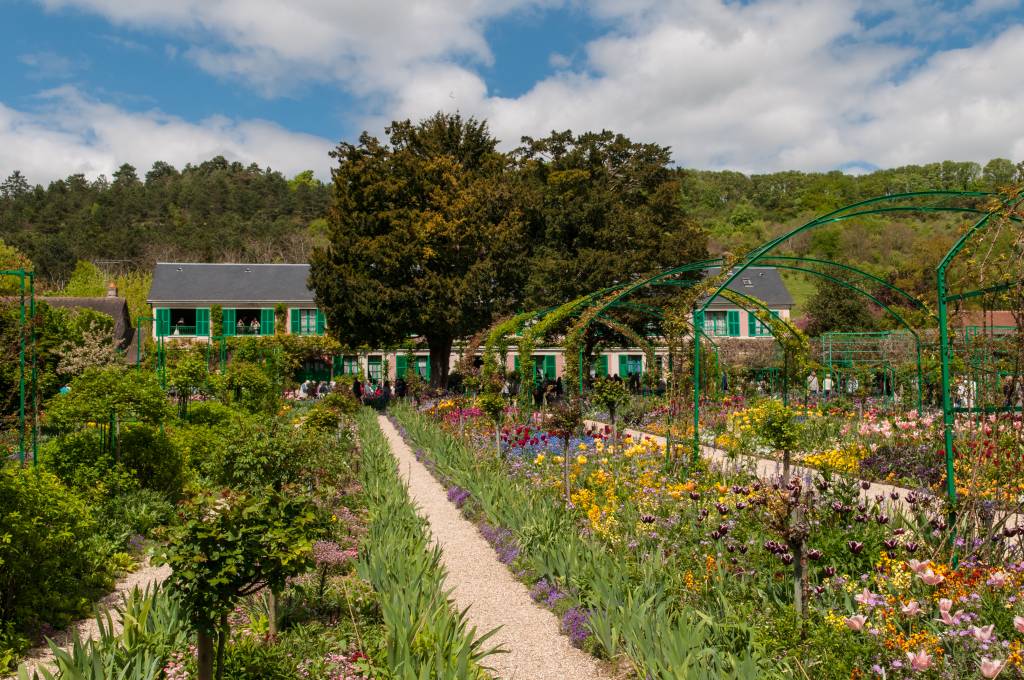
[186, 282]
[762, 283]
[114, 307]
[988, 318]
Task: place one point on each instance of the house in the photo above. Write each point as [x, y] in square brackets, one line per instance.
[253, 299]
[724, 319]
[248, 296]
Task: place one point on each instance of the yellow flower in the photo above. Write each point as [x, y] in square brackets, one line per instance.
[539, 459]
[582, 446]
[582, 460]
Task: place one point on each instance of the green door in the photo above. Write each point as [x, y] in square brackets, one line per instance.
[733, 323]
[203, 322]
[163, 322]
[267, 321]
[549, 366]
[227, 322]
[401, 366]
[602, 366]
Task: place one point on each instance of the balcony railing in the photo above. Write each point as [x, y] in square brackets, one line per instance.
[179, 330]
[247, 330]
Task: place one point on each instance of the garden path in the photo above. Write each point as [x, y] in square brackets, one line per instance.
[494, 598]
[88, 629]
[770, 469]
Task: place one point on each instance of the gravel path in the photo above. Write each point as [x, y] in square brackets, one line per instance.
[87, 628]
[537, 650]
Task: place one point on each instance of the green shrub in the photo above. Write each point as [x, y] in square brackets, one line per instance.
[321, 417]
[136, 512]
[50, 565]
[82, 462]
[210, 413]
[153, 460]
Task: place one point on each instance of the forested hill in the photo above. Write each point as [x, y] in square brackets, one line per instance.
[214, 211]
[220, 211]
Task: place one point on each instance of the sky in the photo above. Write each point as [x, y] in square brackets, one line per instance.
[753, 86]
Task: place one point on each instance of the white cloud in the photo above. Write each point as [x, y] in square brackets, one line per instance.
[756, 86]
[71, 133]
[47, 65]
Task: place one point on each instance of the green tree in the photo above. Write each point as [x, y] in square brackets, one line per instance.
[425, 237]
[998, 173]
[834, 307]
[12, 259]
[601, 209]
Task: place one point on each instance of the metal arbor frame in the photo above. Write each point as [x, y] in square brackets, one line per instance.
[912, 202]
[22, 275]
[1007, 207]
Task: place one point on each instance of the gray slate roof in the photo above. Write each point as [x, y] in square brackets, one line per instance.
[763, 283]
[182, 282]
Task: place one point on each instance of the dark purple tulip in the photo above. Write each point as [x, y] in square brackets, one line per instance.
[786, 558]
[899, 532]
[741, 505]
[860, 518]
[865, 485]
[647, 519]
[723, 529]
[830, 571]
[722, 508]
[879, 497]
[743, 549]
[837, 506]
[733, 561]
[818, 590]
[731, 548]
[890, 543]
[855, 547]
[895, 495]
[862, 507]
[882, 519]
[815, 554]
[694, 495]
[911, 547]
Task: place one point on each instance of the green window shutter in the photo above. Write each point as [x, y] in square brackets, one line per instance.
[426, 368]
[228, 321]
[401, 366]
[203, 321]
[515, 363]
[751, 324]
[733, 323]
[294, 330]
[338, 364]
[267, 321]
[549, 366]
[321, 322]
[163, 322]
[602, 366]
[623, 366]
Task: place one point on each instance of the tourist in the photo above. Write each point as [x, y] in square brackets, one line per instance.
[240, 326]
[826, 386]
[255, 327]
[812, 384]
[357, 389]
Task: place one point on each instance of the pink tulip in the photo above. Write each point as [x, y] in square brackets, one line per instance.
[998, 579]
[931, 578]
[945, 604]
[856, 623]
[919, 661]
[916, 566]
[911, 608]
[990, 668]
[866, 598]
[1018, 623]
[982, 635]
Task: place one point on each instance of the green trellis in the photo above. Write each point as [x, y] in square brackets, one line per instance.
[26, 322]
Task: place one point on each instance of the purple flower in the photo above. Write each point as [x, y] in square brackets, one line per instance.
[574, 624]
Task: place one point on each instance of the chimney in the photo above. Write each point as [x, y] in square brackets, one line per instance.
[112, 290]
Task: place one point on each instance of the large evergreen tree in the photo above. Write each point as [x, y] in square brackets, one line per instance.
[601, 210]
[425, 237]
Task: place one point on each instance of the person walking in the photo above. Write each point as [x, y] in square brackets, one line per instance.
[357, 389]
[826, 386]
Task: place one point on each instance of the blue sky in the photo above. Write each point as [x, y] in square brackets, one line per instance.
[754, 86]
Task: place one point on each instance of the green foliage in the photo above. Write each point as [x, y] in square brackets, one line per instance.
[84, 462]
[322, 418]
[426, 237]
[50, 566]
[152, 628]
[776, 425]
[152, 459]
[235, 543]
[493, 406]
[426, 638]
[88, 280]
[207, 212]
[834, 307]
[600, 207]
[98, 393]
[12, 259]
[609, 394]
[249, 385]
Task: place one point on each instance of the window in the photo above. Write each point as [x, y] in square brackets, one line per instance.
[373, 368]
[307, 322]
[346, 365]
[747, 283]
[715, 323]
[255, 321]
[183, 322]
[755, 328]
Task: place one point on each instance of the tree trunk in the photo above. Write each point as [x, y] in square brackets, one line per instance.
[440, 357]
[785, 467]
[497, 437]
[204, 664]
[222, 640]
[272, 614]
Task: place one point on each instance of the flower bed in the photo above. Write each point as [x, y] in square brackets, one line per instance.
[657, 557]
